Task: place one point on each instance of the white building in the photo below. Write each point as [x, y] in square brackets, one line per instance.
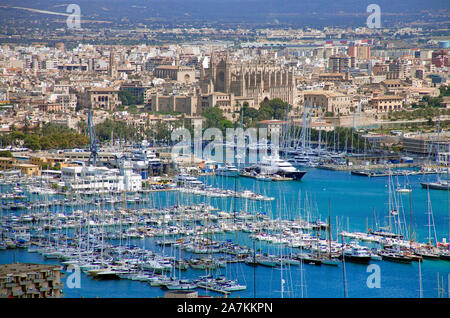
[101, 179]
[444, 158]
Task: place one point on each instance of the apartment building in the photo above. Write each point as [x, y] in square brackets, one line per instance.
[22, 280]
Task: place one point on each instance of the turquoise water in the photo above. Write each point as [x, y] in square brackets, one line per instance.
[356, 204]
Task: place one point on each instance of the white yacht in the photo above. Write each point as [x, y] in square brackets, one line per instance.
[304, 160]
[274, 165]
[227, 171]
[145, 154]
[184, 179]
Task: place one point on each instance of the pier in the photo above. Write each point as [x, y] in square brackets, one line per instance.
[336, 167]
[206, 287]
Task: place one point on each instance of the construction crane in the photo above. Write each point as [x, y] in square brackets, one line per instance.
[94, 147]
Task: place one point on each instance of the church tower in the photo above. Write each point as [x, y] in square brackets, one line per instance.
[112, 64]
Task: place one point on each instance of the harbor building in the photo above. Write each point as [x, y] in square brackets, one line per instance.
[444, 158]
[22, 280]
[101, 179]
[83, 156]
[27, 169]
[7, 163]
[49, 161]
[427, 144]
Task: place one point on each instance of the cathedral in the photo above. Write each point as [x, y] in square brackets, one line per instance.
[229, 84]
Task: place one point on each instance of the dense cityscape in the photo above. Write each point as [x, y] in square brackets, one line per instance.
[347, 169]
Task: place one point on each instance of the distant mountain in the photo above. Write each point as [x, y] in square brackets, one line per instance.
[310, 12]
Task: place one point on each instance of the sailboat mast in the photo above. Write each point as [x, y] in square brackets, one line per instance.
[304, 128]
[390, 203]
[319, 138]
[329, 225]
[420, 280]
[410, 220]
[343, 272]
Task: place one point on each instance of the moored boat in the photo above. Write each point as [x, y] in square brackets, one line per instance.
[357, 255]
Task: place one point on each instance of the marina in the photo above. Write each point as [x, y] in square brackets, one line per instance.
[170, 239]
[212, 228]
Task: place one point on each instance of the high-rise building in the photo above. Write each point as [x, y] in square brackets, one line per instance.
[360, 52]
[341, 63]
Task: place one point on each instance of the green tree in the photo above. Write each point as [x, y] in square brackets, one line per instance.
[16, 136]
[6, 154]
[32, 142]
[125, 97]
[215, 118]
[120, 129]
[248, 115]
[162, 131]
[128, 99]
[272, 109]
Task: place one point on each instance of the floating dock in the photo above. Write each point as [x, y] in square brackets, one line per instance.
[203, 286]
[386, 173]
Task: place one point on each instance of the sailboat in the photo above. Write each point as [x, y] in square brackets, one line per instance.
[327, 259]
[439, 184]
[430, 251]
[178, 283]
[406, 188]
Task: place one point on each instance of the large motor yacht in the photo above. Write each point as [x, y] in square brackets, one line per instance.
[227, 171]
[274, 165]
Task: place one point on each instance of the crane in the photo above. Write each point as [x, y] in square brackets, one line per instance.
[94, 147]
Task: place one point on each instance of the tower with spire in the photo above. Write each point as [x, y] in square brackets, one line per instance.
[112, 64]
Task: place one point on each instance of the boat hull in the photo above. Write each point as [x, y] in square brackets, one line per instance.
[298, 175]
[358, 259]
[397, 259]
[435, 186]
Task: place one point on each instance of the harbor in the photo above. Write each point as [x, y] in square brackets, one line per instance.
[194, 224]
[225, 245]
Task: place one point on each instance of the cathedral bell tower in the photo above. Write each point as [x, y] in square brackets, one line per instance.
[112, 64]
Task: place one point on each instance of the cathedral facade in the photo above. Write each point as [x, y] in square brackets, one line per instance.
[229, 84]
